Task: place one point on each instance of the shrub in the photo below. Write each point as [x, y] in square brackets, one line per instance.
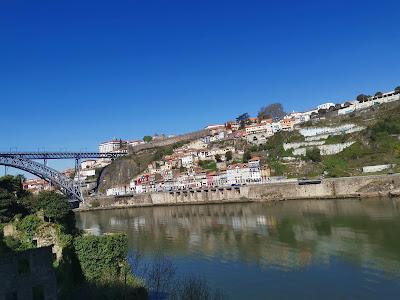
[228, 155]
[335, 166]
[101, 257]
[336, 139]
[95, 203]
[246, 156]
[28, 227]
[208, 164]
[313, 154]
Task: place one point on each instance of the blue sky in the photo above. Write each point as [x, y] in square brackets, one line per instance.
[75, 73]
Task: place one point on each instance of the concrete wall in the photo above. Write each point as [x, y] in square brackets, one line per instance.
[377, 168]
[324, 149]
[363, 186]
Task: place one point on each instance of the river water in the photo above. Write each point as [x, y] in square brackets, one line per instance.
[314, 249]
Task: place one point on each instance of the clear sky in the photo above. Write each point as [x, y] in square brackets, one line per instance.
[76, 73]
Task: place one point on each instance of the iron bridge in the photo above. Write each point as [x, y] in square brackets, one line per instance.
[26, 161]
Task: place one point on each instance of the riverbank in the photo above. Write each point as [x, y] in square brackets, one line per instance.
[332, 188]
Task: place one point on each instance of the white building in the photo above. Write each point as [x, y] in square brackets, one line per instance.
[204, 154]
[276, 127]
[238, 174]
[255, 169]
[386, 97]
[347, 108]
[260, 128]
[325, 105]
[218, 136]
[119, 190]
[112, 146]
[220, 179]
[135, 143]
[188, 160]
[87, 164]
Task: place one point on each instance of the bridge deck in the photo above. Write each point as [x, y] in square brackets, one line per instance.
[62, 155]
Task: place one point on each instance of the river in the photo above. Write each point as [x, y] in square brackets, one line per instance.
[311, 249]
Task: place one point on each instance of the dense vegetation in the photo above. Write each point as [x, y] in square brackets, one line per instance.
[208, 164]
[88, 267]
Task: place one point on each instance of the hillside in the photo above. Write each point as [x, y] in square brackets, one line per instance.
[123, 169]
[370, 137]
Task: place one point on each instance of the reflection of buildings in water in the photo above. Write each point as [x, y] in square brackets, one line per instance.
[194, 239]
[137, 223]
[95, 230]
[288, 235]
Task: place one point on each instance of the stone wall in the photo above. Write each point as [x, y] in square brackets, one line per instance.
[169, 141]
[329, 188]
[27, 273]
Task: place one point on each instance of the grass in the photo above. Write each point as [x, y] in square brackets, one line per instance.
[208, 165]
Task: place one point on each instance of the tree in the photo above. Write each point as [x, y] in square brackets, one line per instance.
[397, 89]
[218, 158]
[246, 156]
[12, 197]
[54, 205]
[313, 154]
[274, 111]
[147, 138]
[160, 274]
[362, 98]
[228, 155]
[6, 200]
[13, 184]
[242, 117]
[378, 94]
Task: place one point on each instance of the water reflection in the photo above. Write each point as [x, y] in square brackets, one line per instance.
[288, 236]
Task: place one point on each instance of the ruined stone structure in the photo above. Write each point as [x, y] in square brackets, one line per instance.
[28, 275]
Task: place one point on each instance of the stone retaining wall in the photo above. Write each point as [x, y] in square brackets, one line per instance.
[329, 188]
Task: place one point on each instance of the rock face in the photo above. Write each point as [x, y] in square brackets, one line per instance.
[122, 170]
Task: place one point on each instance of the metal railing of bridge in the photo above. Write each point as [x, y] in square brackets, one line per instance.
[63, 155]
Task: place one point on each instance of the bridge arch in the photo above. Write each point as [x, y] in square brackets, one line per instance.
[67, 186]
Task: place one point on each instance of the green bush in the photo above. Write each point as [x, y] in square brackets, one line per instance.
[336, 139]
[27, 228]
[208, 164]
[101, 257]
[246, 156]
[313, 154]
[335, 166]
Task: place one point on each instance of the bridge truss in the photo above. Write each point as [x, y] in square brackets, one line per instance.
[26, 161]
[66, 185]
